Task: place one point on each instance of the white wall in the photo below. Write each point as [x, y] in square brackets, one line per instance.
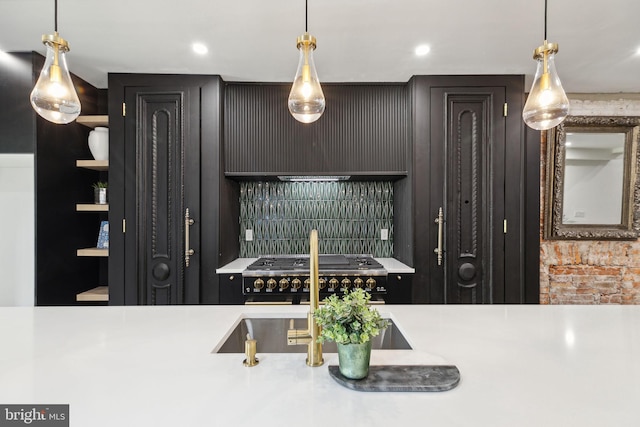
[17, 230]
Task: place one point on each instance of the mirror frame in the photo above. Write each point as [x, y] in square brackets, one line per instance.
[629, 228]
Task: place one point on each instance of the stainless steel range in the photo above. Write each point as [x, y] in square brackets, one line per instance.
[285, 278]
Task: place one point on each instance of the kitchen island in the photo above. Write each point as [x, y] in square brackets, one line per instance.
[138, 366]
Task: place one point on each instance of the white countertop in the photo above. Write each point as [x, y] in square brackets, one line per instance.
[520, 366]
[392, 265]
[236, 266]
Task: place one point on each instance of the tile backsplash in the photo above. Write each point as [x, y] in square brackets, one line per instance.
[349, 217]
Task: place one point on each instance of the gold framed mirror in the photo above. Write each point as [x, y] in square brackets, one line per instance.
[592, 188]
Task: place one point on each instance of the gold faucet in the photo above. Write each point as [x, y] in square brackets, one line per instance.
[309, 336]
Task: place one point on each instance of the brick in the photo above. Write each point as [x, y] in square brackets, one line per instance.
[611, 299]
[561, 285]
[560, 278]
[631, 299]
[575, 299]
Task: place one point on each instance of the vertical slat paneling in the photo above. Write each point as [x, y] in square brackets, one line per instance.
[364, 129]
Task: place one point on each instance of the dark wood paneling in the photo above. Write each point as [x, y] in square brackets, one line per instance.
[403, 221]
[219, 196]
[532, 217]
[364, 131]
[422, 291]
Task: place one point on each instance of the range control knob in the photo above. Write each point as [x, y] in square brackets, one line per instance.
[258, 284]
[284, 284]
[358, 282]
[271, 284]
[321, 284]
[296, 283]
[333, 283]
[346, 283]
[371, 283]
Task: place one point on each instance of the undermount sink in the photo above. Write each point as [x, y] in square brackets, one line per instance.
[270, 334]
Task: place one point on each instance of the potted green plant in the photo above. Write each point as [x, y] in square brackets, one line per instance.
[100, 192]
[351, 322]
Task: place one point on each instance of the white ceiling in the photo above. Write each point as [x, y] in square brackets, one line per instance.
[358, 40]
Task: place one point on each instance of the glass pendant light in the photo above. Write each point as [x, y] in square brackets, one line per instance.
[306, 100]
[54, 97]
[547, 105]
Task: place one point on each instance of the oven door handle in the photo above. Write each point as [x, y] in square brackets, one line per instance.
[188, 252]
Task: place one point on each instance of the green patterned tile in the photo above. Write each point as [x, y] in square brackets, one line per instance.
[347, 215]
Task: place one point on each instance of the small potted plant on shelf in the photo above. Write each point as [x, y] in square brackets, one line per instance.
[351, 322]
[100, 192]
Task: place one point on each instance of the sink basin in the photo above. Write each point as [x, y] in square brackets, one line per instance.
[271, 336]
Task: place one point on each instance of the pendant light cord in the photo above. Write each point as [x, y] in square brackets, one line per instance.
[306, 15]
[545, 19]
[55, 19]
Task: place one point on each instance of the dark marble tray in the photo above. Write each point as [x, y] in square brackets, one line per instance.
[402, 378]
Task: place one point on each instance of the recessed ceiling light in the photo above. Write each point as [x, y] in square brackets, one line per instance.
[422, 50]
[638, 51]
[199, 48]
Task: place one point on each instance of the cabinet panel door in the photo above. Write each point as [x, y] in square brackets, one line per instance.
[470, 189]
[231, 289]
[165, 148]
[161, 182]
[470, 160]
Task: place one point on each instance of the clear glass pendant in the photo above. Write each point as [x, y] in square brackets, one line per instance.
[306, 99]
[547, 105]
[54, 96]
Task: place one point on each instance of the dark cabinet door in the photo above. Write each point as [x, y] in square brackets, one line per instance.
[231, 289]
[158, 188]
[163, 131]
[399, 288]
[470, 194]
[467, 166]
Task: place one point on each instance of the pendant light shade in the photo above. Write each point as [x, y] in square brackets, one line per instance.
[547, 104]
[54, 97]
[306, 99]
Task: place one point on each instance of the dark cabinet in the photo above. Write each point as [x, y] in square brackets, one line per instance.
[231, 289]
[399, 288]
[365, 131]
[474, 173]
[166, 188]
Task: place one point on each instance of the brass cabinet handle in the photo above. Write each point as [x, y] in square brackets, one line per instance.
[440, 222]
[188, 252]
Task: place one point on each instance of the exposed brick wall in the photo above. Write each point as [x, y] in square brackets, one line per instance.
[587, 271]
